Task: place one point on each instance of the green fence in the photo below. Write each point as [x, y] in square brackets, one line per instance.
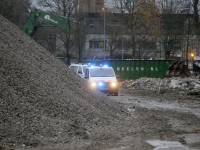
[134, 69]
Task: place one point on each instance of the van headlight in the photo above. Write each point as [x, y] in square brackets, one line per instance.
[113, 84]
[93, 84]
[100, 83]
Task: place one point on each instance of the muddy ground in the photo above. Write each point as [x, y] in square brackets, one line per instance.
[168, 116]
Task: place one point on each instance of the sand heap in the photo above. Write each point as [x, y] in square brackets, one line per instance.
[41, 99]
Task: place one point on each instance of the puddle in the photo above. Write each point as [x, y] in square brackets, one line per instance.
[150, 104]
[191, 138]
[167, 145]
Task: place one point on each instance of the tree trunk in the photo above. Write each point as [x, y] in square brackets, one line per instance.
[111, 52]
[79, 55]
[133, 47]
[196, 16]
[68, 34]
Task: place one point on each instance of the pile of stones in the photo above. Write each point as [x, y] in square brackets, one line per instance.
[190, 84]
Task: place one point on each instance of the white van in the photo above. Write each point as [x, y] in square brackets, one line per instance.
[102, 78]
[79, 69]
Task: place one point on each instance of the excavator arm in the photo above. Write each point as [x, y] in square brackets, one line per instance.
[50, 19]
[38, 18]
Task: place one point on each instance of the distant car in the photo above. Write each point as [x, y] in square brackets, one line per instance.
[79, 69]
[102, 78]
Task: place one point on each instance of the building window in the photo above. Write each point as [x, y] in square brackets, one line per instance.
[94, 44]
[118, 44]
[147, 44]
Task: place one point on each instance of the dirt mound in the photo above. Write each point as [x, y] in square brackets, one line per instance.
[41, 100]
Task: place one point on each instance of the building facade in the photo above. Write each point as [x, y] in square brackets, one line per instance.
[90, 6]
[94, 21]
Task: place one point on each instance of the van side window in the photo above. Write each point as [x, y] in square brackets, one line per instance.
[80, 69]
[87, 73]
[74, 68]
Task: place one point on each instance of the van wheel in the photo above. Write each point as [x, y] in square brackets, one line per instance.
[116, 93]
[110, 93]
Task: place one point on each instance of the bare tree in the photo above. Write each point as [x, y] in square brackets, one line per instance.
[15, 10]
[196, 15]
[180, 23]
[79, 34]
[66, 8]
[140, 17]
[112, 28]
[6, 8]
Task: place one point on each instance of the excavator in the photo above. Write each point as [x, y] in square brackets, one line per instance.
[39, 18]
[48, 20]
[179, 69]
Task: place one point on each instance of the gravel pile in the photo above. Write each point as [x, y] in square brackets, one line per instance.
[41, 100]
[190, 84]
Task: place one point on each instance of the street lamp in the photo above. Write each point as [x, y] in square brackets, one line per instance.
[104, 43]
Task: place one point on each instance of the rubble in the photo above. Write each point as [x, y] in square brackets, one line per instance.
[190, 84]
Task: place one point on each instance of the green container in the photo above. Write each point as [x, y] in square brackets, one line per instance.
[135, 69]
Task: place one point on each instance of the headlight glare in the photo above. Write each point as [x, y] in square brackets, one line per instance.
[114, 84]
[93, 84]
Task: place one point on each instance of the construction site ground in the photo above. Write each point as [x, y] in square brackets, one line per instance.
[46, 106]
[167, 121]
[170, 120]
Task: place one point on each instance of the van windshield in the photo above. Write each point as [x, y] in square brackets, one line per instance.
[102, 72]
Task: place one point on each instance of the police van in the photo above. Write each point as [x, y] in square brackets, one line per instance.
[102, 78]
[79, 69]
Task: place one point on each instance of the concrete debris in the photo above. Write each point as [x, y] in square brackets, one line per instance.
[174, 84]
[191, 84]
